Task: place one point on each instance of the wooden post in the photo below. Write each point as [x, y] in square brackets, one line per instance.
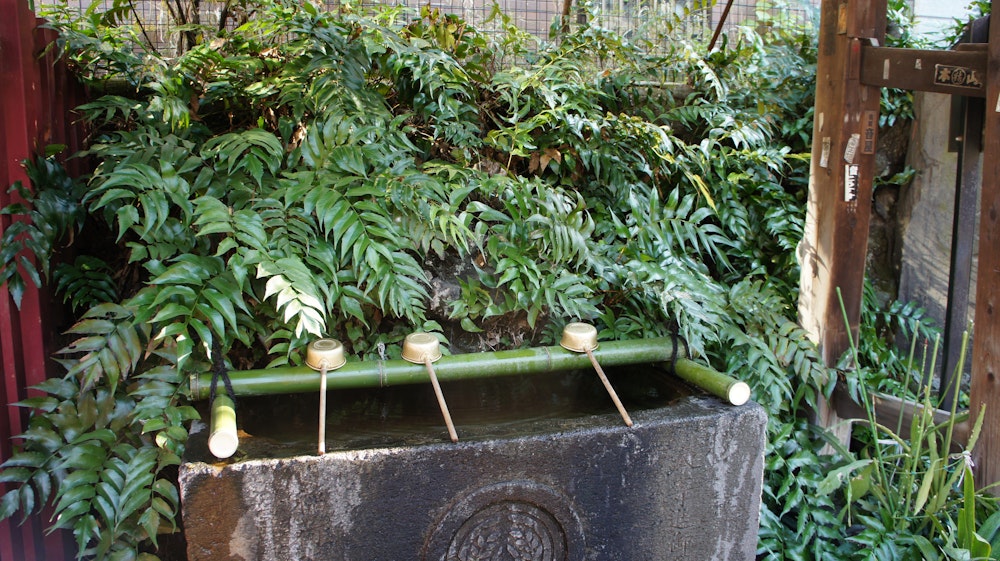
[985, 388]
[845, 127]
[963, 234]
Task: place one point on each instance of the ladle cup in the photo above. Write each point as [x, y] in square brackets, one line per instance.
[581, 337]
[424, 348]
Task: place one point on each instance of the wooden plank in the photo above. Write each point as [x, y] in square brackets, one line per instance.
[949, 72]
[892, 412]
[962, 240]
[865, 19]
[966, 139]
[985, 388]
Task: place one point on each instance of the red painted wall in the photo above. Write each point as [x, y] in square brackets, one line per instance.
[36, 95]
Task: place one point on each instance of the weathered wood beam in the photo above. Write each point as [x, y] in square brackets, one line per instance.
[966, 139]
[835, 242]
[985, 388]
[892, 412]
[845, 127]
[959, 72]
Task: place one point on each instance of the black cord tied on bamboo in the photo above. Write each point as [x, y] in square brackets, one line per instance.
[219, 371]
[675, 341]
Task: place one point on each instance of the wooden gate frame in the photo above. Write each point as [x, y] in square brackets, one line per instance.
[852, 67]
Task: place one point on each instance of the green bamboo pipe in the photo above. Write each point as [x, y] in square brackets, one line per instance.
[713, 381]
[223, 439]
[302, 379]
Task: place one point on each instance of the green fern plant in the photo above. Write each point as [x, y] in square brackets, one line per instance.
[99, 450]
[46, 215]
[85, 283]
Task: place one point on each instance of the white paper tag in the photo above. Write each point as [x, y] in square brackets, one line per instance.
[852, 148]
[851, 173]
[824, 157]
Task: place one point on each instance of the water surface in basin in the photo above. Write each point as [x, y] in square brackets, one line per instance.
[490, 408]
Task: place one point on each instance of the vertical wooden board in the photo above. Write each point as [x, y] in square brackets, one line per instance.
[841, 175]
[866, 18]
[963, 234]
[817, 236]
[985, 390]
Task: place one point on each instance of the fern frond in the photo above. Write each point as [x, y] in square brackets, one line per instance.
[251, 151]
[113, 343]
[50, 210]
[85, 283]
[192, 303]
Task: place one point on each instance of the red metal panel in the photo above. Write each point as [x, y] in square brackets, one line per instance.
[10, 538]
[14, 81]
[35, 97]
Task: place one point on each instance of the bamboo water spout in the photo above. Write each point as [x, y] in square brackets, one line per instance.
[327, 354]
[381, 373]
[734, 391]
[535, 360]
[223, 439]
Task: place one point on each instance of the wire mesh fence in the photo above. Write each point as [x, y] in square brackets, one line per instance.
[163, 23]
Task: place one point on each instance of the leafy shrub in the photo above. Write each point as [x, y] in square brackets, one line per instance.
[263, 194]
[273, 193]
[46, 218]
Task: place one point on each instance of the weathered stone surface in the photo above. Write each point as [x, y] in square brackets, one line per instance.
[683, 483]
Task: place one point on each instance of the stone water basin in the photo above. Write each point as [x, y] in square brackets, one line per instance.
[545, 469]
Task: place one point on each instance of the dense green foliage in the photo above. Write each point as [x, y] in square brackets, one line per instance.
[261, 194]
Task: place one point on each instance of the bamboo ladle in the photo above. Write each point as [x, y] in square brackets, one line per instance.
[324, 355]
[581, 337]
[424, 348]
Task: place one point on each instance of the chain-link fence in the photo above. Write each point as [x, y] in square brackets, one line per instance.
[163, 22]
